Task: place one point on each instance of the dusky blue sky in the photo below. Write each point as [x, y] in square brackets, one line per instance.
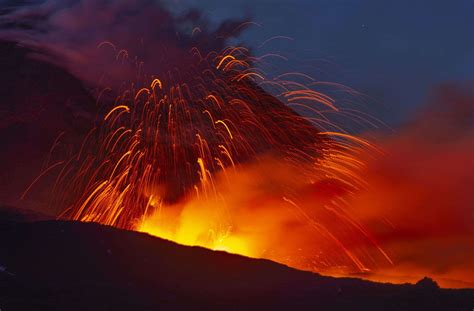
[393, 51]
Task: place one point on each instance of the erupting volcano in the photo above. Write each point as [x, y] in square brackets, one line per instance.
[196, 140]
[186, 156]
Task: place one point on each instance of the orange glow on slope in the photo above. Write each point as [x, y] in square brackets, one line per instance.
[196, 229]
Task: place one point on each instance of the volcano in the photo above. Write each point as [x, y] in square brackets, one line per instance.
[162, 164]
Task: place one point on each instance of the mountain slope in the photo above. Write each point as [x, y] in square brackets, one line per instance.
[53, 265]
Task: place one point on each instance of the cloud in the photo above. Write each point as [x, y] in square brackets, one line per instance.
[419, 203]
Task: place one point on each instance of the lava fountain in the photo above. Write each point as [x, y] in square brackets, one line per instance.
[206, 156]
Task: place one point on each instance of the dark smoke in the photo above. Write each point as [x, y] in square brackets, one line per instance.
[54, 67]
[68, 33]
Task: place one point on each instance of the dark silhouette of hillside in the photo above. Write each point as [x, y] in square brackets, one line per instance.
[56, 265]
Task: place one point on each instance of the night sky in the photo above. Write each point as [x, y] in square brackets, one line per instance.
[395, 52]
